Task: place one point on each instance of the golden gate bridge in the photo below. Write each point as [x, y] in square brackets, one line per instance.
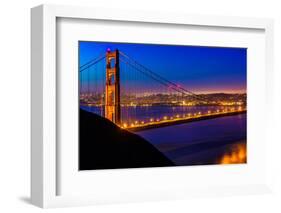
[134, 97]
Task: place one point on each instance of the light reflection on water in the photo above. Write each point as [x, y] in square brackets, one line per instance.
[236, 154]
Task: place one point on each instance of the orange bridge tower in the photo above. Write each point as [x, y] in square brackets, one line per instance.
[112, 87]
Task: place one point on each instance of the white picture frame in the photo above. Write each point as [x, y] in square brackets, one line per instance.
[44, 148]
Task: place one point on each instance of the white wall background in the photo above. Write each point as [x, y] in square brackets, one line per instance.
[15, 104]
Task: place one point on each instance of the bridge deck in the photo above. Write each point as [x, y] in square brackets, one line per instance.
[176, 121]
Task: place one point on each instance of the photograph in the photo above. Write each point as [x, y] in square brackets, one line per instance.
[160, 105]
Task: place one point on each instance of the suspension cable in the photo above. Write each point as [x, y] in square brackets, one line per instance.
[158, 77]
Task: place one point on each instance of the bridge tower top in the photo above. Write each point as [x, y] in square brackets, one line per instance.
[112, 87]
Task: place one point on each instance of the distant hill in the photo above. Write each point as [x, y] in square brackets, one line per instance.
[103, 145]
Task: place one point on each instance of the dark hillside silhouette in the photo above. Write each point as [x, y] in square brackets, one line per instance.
[103, 145]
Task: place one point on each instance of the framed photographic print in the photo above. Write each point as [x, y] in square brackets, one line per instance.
[132, 106]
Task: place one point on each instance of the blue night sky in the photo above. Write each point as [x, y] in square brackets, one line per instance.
[199, 69]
